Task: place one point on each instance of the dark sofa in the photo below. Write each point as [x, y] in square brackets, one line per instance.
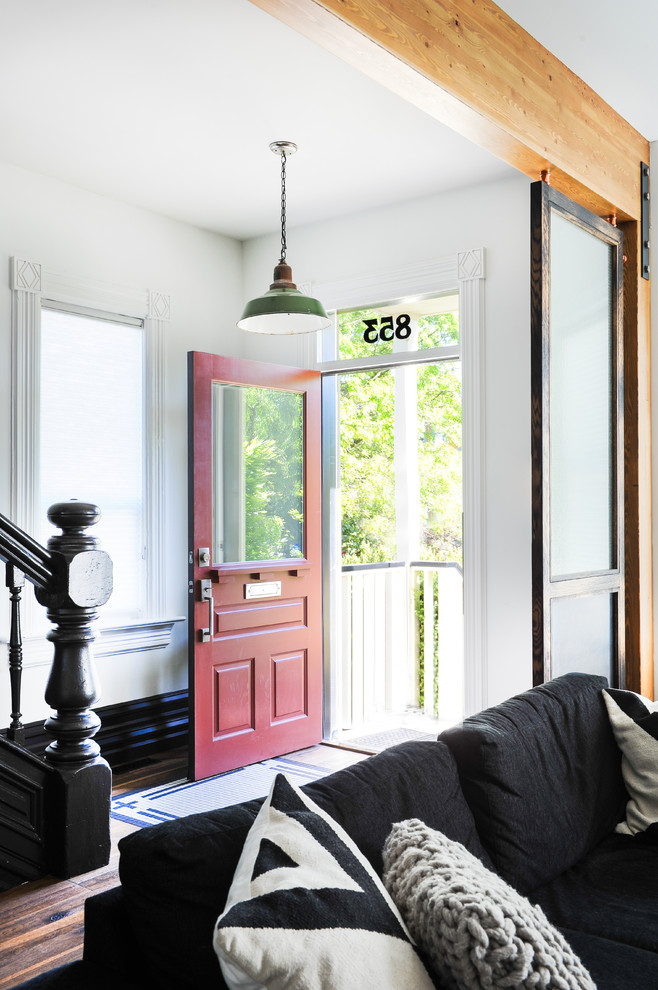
[533, 787]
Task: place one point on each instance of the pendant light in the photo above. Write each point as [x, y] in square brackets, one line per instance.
[283, 309]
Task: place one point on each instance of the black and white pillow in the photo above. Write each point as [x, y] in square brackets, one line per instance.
[475, 930]
[306, 909]
[634, 722]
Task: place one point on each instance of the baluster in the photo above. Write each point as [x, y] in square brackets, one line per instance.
[15, 581]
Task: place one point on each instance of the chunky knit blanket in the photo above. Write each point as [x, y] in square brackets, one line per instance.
[476, 931]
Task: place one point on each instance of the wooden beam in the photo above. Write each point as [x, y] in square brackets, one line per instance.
[470, 66]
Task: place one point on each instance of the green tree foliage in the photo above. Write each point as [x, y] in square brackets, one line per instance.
[367, 410]
[440, 461]
[366, 454]
[421, 582]
[273, 451]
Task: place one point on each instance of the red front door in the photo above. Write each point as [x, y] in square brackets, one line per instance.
[255, 577]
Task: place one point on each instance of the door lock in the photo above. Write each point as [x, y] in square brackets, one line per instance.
[205, 595]
[204, 556]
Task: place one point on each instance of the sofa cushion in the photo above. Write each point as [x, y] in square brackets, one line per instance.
[611, 892]
[475, 929]
[634, 723]
[541, 773]
[612, 965]
[412, 780]
[307, 909]
[176, 876]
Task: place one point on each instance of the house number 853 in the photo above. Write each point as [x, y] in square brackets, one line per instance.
[384, 329]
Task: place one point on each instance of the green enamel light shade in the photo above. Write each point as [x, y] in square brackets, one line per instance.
[283, 309]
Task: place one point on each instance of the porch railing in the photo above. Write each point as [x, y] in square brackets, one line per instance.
[54, 811]
[402, 640]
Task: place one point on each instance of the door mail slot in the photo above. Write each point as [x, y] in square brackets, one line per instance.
[265, 589]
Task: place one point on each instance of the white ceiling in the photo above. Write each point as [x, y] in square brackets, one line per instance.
[171, 105]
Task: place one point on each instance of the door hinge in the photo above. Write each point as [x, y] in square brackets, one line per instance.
[645, 173]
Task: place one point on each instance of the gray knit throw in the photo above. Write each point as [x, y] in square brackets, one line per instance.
[475, 930]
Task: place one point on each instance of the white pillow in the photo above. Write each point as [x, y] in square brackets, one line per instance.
[306, 909]
[634, 722]
[475, 930]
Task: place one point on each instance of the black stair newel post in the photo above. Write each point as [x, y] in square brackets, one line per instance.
[15, 581]
[80, 824]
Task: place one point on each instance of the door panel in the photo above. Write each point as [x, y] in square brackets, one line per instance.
[289, 686]
[577, 433]
[255, 624]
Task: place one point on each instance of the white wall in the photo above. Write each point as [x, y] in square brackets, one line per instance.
[81, 234]
[495, 216]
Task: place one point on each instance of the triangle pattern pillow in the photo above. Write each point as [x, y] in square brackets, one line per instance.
[634, 722]
[306, 909]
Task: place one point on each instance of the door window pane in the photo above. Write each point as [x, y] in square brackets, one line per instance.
[258, 473]
[581, 401]
[401, 464]
[582, 630]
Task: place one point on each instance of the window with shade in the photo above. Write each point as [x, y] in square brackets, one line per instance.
[91, 438]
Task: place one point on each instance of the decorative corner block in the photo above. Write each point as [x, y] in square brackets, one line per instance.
[470, 264]
[26, 275]
[159, 306]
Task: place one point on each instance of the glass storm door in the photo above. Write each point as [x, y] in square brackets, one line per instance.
[255, 581]
[578, 452]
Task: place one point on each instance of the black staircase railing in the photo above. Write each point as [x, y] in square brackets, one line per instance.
[19, 549]
[56, 816]
[15, 581]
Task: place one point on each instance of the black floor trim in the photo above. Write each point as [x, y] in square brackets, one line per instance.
[131, 731]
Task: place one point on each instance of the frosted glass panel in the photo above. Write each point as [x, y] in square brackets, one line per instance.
[582, 635]
[581, 401]
[258, 473]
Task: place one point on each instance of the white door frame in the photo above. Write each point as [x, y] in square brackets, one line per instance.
[463, 271]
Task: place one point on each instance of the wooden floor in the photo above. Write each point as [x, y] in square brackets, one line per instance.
[41, 922]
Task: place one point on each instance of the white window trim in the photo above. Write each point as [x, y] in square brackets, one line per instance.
[463, 271]
[109, 642]
[31, 285]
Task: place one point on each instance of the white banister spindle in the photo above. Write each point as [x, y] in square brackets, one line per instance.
[428, 641]
[451, 645]
[346, 713]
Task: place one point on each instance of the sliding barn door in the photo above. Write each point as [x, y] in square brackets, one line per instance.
[577, 433]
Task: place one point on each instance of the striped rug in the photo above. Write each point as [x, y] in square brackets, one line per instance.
[184, 797]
